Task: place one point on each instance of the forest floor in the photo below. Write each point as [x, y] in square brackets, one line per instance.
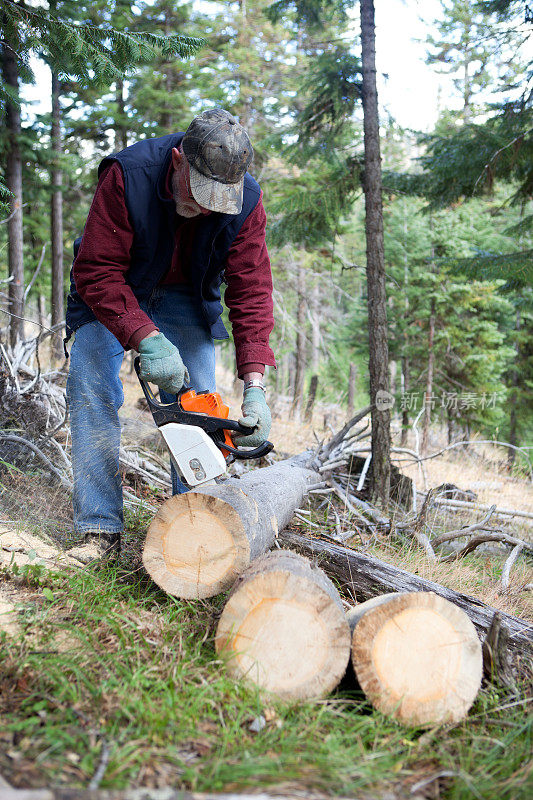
[107, 681]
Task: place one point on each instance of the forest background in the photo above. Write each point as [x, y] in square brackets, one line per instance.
[457, 199]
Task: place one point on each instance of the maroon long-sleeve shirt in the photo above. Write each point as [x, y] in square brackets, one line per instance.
[103, 261]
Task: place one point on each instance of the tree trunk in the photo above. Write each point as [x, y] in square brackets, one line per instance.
[428, 398]
[300, 344]
[311, 397]
[352, 379]
[199, 542]
[449, 425]
[405, 410]
[405, 376]
[284, 628]
[41, 311]
[397, 656]
[375, 266]
[121, 134]
[13, 175]
[315, 330]
[368, 577]
[393, 373]
[513, 401]
[56, 221]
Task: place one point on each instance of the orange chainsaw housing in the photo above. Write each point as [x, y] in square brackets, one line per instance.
[209, 403]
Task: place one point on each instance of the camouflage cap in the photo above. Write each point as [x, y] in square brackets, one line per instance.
[219, 152]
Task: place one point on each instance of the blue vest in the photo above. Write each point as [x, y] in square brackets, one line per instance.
[145, 166]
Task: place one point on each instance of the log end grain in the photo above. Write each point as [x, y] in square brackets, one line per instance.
[195, 546]
[284, 628]
[417, 657]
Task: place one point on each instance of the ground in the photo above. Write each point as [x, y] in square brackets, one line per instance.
[102, 674]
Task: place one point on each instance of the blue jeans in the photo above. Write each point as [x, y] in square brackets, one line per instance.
[94, 393]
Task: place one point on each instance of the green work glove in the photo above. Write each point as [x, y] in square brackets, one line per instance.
[255, 412]
[161, 364]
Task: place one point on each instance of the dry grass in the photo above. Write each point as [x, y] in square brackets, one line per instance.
[477, 576]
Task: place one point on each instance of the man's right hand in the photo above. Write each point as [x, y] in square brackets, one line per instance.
[162, 364]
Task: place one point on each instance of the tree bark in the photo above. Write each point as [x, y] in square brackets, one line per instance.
[315, 330]
[405, 391]
[121, 135]
[56, 220]
[405, 377]
[513, 401]
[428, 398]
[13, 174]
[199, 542]
[397, 656]
[284, 628]
[368, 577]
[352, 378]
[300, 344]
[311, 397]
[375, 265]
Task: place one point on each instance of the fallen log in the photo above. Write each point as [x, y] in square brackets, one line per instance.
[416, 656]
[366, 577]
[284, 628]
[200, 542]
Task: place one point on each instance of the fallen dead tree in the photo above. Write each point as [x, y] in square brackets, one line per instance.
[365, 577]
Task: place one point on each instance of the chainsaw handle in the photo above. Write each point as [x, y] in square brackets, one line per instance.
[258, 452]
[150, 396]
[151, 399]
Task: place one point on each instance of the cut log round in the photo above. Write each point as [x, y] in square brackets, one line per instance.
[416, 656]
[284, 628]
[199, 542]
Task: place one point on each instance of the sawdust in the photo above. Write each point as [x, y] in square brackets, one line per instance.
[21, 547]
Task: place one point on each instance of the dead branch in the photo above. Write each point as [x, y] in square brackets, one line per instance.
[471, 442]
[350, 501]
[504, 538]
[340, 436]
[457, 534]
[509, 564]
[420, 522]
[34, 276]
[499, 512]
[40, 455]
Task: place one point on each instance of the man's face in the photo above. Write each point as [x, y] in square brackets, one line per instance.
[186, 205]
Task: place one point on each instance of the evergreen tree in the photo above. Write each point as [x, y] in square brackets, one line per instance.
[91, 53]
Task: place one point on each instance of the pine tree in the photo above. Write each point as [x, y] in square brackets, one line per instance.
[91, 53]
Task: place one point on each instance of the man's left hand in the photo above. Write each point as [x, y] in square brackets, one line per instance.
[255, 413]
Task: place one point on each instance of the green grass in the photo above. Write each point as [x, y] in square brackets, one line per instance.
[107, 662]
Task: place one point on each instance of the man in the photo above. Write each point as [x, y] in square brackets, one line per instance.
[170, 219]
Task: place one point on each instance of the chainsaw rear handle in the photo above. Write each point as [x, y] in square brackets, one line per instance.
[258, 452]
[172, 412]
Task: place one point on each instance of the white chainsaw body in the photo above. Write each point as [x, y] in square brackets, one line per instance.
[195, 455]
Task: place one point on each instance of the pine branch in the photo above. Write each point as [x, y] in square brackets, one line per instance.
[91, 53]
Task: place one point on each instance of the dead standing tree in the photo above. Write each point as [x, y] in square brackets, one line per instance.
[375, 265]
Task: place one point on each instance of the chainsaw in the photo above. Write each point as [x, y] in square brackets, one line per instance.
[197, 433]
